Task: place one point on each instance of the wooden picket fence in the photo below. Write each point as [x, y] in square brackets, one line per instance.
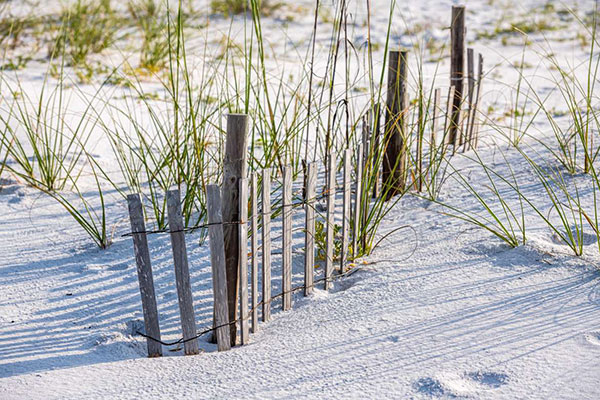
[254, 225]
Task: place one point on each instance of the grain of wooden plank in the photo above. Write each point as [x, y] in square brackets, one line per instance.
[243, 257]
[254, 244]
[217, 261]
[266, 244]
[234, 169]
[346, 210]
[457, 65]
[287, 239]
[394, 160]
[182, 273]
[309, 229]
[331, 186]
[470, 101]
[144, 272]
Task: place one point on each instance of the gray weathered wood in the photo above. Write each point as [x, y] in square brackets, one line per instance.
[376, 159]
[364, 201]
[394, 160]
[457, 65]
[182, 273]
[448, 115]
[266, 244]
[470, 101]
[346, 210]
[144, 272]
[357, 206]
[243, 274]
[254, 244]
[475, 126]
[234, 169]
[309, 228]
[331, 186]
[435, 115]
[217, 262]
[286, 273]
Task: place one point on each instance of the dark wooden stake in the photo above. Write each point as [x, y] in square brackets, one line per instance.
[457, 65]
[394, 161]
[144, 272]
[234, 169]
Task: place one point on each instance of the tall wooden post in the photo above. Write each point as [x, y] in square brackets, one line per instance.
[394, 160]
[457, 66]
[234, 169]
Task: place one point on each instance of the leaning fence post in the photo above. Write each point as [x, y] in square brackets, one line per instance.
[457, 65]
[243, 257]
[309, 227]
[254, 243]
[144, 272]
[182, 273]
[217, 262]
[346, 210]
[286, 273]
[266, 244]
[331, 186]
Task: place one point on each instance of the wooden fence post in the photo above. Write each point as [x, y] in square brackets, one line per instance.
[144, 272]
[448, 116]
[457, 65]
[309, 227]
[364, 200]
[470, 93]
[217, 262]
[346, 210]
[376, 161]
[475, 127]
[254, 243]
[394, 161]
[243, 256]
[331, 187]
[182, 273]
[266, 244]
[286, 273]
[357, 205]
[234, 169]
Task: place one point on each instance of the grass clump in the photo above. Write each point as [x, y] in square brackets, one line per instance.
[234, 7]
[88, 26]
[150, 17]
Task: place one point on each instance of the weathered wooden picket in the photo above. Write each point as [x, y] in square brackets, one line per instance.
[235, 206]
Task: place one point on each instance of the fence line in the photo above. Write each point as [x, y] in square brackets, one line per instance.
[228, 217]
